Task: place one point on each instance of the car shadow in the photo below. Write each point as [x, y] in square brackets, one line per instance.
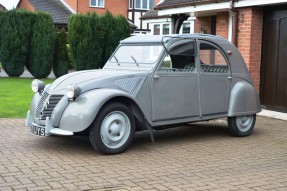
[195, 132]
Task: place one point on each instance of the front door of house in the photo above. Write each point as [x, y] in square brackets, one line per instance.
[273, 90]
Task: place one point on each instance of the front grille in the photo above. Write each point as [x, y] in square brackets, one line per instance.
[46, 106]
[41, 104]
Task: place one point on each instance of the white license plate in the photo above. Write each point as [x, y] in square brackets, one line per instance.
[37, 130]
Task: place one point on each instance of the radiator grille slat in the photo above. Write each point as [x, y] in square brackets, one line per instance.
[47, 105]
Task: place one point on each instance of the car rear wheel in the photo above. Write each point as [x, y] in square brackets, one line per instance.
[113, 129]
[241, 126]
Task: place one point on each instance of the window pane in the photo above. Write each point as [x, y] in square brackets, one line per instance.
[138, 4]
[101, 3]
[131, 4]
[137, 54]
[165, 29]
[186, 28]
[93, 2]
[156, 29]
[150, 4]
[211, 59]
[144, 4]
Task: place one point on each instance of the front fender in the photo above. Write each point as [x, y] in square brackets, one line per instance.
[244, 100]
[80, 113]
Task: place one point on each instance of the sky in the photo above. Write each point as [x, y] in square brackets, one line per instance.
[9, 4]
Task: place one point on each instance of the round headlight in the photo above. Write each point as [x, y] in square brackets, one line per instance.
[38, 85]
[73, 91]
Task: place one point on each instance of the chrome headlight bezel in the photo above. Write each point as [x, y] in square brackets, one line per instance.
[73, 91]
[37, 86]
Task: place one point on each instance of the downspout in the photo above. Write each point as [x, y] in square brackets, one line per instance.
[77, 6]
[234, 22]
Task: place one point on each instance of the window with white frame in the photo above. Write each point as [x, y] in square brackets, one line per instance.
[144, 4]
[165, 29]
[97, 3]
[156, 29]
[186, 28]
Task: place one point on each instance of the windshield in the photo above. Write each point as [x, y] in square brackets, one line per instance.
[138, 54]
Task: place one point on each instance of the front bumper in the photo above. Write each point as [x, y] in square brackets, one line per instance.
[47, 128]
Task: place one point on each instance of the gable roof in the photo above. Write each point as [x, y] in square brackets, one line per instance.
[2, 7]
[167, 4]
[55, 8]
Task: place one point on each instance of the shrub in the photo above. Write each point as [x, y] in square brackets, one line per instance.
[41, 53]
[93, 38]
[15, 32]
[61, 59]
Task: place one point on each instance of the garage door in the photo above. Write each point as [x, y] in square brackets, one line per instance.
[273, 90]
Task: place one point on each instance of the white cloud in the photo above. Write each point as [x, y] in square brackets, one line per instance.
[9, 4]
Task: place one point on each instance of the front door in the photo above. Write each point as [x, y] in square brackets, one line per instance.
[215, 80]
[273, 89]
[174, 90]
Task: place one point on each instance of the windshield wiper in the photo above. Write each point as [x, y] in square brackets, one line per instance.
[116, 60]
[135, 60]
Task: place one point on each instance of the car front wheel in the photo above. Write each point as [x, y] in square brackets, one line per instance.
[113, 129]
[241, 126]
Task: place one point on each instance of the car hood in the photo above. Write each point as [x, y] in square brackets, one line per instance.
[92, 79]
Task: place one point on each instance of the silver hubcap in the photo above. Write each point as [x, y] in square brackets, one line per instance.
[115, 129]
[244, 123]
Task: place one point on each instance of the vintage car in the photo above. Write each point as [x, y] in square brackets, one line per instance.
[149, 82]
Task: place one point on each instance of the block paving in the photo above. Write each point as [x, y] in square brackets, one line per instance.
[199, 156]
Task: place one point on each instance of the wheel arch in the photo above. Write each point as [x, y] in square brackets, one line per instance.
[80, 114]
[244, 100]
[134, 107]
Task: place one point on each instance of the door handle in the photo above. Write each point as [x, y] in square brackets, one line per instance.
[229, 77]
[156, 77]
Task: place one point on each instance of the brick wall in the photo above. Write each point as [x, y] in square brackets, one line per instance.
[203, 23]
[249, 40]
[72, 4]
[222, 22]
[26, 5]
[116, 7]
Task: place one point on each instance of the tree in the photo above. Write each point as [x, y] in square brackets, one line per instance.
[93, 38]
[61, 59]
[42, 45]
[15, 37]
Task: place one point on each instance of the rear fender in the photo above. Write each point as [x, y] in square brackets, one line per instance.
[244, 100]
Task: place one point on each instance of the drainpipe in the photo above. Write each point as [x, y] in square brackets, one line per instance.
[233, 23]
[77, 6]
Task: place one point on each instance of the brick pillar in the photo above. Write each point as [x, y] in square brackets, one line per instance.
[249, 38]
[222, 22]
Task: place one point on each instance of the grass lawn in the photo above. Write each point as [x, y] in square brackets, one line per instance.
[15, 96]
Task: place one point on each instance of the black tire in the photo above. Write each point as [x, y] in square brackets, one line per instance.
[113, 129]
[241, 126]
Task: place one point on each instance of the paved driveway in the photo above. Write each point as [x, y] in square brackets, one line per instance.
[202, 156]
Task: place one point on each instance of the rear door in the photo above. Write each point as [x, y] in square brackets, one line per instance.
[215, 80]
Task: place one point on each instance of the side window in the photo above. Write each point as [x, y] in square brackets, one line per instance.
[212, 60]
[181, 57]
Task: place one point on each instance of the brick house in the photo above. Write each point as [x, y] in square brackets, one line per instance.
[61, 9]
[257, 28]
[58, 10]
[2, 8]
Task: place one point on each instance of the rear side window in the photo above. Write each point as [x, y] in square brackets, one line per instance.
[212, 60]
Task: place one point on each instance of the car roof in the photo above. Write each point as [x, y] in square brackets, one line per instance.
[165, 38]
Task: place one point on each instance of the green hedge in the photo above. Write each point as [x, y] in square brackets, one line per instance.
[61, 59]
[42, 46]
[14, 38]
[26, 39]
[93, 38]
